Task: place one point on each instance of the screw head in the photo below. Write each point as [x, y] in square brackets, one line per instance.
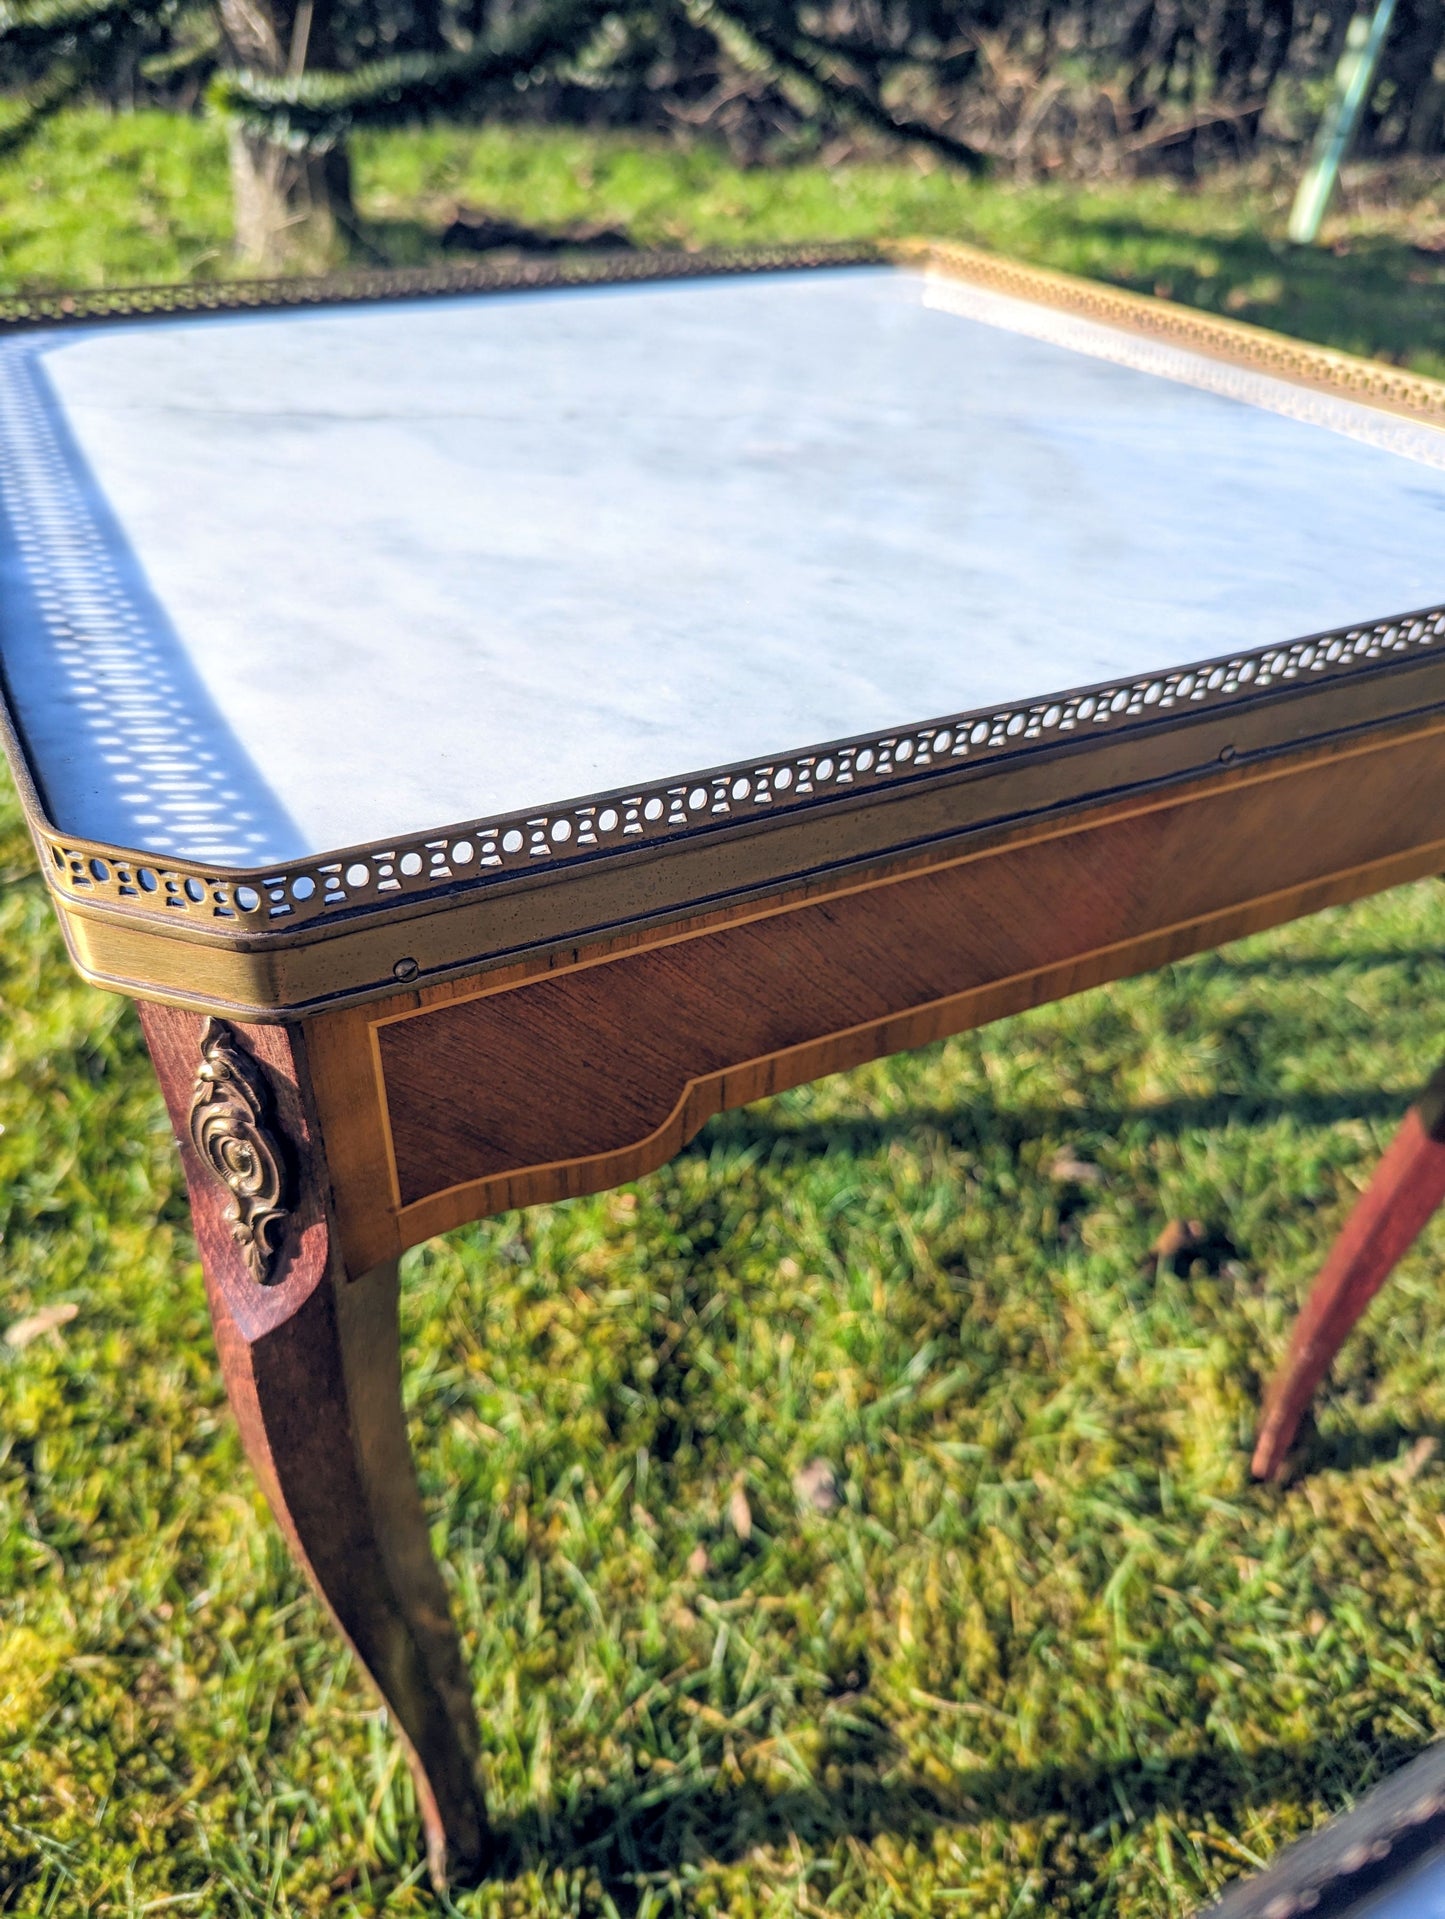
[405, 969]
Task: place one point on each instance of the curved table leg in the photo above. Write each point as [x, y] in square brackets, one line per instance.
[318, 1400]
[311, 1359]
[1408, 1186]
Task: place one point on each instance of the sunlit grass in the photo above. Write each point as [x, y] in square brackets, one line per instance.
[1052, 1652]
[145, 197]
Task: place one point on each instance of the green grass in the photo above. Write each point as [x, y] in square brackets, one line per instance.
[1053, 1653]
[145, 198]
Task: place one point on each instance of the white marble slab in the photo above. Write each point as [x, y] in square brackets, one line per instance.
[275, 584]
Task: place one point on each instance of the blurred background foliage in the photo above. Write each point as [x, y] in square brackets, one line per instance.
[1086, 85]
[1039, 89]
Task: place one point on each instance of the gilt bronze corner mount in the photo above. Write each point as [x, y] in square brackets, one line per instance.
[231, 1130]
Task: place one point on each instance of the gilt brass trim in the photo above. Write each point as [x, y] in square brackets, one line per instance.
[25, 312]
[370, 954]
[261, 902]
[1346, 377]
[280, 941]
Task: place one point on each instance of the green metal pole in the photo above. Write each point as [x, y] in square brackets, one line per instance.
[1354, 77]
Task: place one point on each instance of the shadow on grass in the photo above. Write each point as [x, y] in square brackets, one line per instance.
[1015, 1126]
[1355, 1450]
[1375, 295]
[1306, 965]
[474, 233]
[628, 1837]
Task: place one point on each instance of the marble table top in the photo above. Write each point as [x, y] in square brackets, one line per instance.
[273, 584]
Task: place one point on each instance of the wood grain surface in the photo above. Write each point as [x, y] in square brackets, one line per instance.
[590, 1074]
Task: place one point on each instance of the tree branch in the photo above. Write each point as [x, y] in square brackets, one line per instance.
[314, 110]
[797, 58]
[26, 24]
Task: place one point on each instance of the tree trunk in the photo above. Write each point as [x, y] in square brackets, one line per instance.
[293, 211]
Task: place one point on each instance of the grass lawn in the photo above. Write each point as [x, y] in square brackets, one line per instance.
[1053, 1652]
[146, 198]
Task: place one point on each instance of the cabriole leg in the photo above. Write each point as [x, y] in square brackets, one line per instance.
[1408, 1186]
[312, 1364]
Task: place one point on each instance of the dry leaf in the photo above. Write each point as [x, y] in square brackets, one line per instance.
[48, 1320]
[1418, 1457]
[1178, 1237]
[816, 1485]
[740, 1513]
[698, 1561]
[1069, 1168]
[1185, 1241]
